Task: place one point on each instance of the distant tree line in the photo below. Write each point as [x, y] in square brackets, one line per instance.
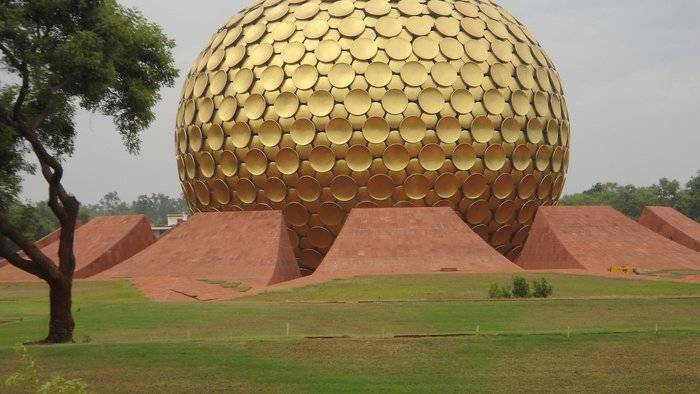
[631, 200]
[36, 219]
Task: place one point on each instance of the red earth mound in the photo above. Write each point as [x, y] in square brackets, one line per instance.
[672, 225]
[597, 238]
[46, 240]
[182, 289]
[408, 240]
[252, 248]
[100, 244]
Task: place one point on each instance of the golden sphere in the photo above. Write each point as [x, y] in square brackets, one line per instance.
[314, 108]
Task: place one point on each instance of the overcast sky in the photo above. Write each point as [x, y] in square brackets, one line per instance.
[631, 73]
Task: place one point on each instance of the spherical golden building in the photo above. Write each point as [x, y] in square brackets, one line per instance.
[316, 107]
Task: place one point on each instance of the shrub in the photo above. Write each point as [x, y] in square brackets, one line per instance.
[521, 288]
[542, 288]
[28, 377]
[494, 290]
[505, 292]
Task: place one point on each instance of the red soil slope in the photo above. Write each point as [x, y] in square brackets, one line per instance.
[408, 240]
[673, 225]
[248, 247]
[99, 245]
[47, 240]
[596, 238]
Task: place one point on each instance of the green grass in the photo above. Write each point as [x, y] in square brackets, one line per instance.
[126, 343]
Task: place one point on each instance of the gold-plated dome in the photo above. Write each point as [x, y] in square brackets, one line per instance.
[316, 107]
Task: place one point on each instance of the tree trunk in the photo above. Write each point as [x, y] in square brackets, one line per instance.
[61, 322]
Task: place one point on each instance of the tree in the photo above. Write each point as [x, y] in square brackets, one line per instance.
[157, 207]
[63, 55]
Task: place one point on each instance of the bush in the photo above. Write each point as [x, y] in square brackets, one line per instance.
[505, 292]
[542, 288]
[494, 290]
[28, 378]
[521, 288]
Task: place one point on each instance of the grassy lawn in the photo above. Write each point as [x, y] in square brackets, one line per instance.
[128, 344]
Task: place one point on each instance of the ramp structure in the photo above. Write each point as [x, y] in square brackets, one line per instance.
[673, 225]
[252, 248]
[46, 240]
[596, 238]
[100, 244]
[384, 241]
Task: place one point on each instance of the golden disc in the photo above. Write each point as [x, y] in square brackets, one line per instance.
[205, 109]
[478, 212]
[202, 192]
[305, 76]
[494, 157]
[228, 162]
[351, 27]
[500, 74]
[534, 130]
[467, 9]
[482, 129]
[542, 157]
[272, 78]
[416, 186]
[413, 73]
[190, 166]
[448, 27]
[545, 187]
[443, 74]
[462, 101]
[240, 134]
[194, 134]
[320, 237]
[363, 49]
[343, 188]
[215, 136]
[283, 31]
[527, 186]
[221, 192]
[380, 187]
[227, 108]
[275, 189]
[243, 80]
[286, 105]
[419, 25]
[377, 74]
[246, 191]
[207, 165]
[294, 51]
[287, 160]
[321, 103]
[342, 75]
[521, 157]
[396, 157]
[256, 161]
[338, 131]
[260, 54]
[412, 129]
[308, 189]
[464, 157]
[215, 59]
[218, 82]
[358, 158]
[388, 26]
[315, 29]
[394, 101]
[541, 104]
[510, 130]
[477, 51]
[451, 48]
[322, 158]
[552, 132]
[375, 129]
[448, 129]
[296, 214]
[503, 186]
[524, 74]
[446, 185]
[472, 74]
[327, 51]
[341, 8]
[502, 235]
[398, 48]
[494, 102]
[431, 157]
[331, 214]
[182, 141]
[475, 186]
[234, 55]
[307, 10]
[520, 102]
[505, 212]
[557, 158]
[425, 48]
[474, 27]
[503, 50]
[254, 106]
[357, 102]
[270, 133]
[431, 100]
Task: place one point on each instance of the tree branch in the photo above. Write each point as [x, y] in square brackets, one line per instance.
[40, 264]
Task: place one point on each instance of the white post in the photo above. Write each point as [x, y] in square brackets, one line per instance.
[287, 329]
